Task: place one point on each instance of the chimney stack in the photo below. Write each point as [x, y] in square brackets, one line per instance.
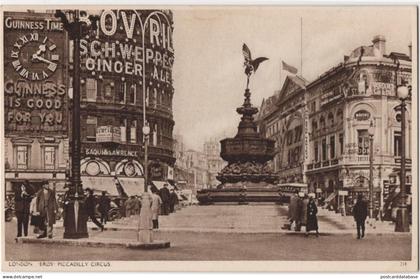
[410, 50]
[379, 45]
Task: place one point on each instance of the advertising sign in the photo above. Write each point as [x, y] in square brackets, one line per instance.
[135, 46]
[35, 92]
[108, 134]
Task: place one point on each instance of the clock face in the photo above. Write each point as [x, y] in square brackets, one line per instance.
[34, 56]
[130, 169]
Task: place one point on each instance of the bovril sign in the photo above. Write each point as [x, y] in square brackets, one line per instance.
[131, 43]
[362, 115]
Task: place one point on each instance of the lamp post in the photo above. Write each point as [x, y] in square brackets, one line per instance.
[146, 133]
[371, 132]
[75, 225]
[402, 224]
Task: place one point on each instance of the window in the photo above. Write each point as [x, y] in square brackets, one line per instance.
[322, 122]
[132, 94]
[330, 119]
[91, 89]
[340, 115]
[316, 151]
[91, 124]
[363, 142]
[332, 147]
[312, 107]
[49, 157]
[324, 149]
[123, 129]
[397, 143]
[298, 134]
[314, 125]
[108, 89]
[341, 140]
[22, 156]
[133, 134]
[120, 92]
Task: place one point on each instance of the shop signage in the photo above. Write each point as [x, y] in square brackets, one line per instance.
[32, 23]
[382, 88]
[362, 115]
[110, 152]
[35, 93]
[132, 44]
[331, 96]
[343, 193]
[108, 134]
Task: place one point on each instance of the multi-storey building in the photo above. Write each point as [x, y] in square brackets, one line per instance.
[127, 69]
[126, 73]
[329, 119]
[35, 100]
[214, 162]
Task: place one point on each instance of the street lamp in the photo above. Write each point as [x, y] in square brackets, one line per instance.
[371, 132]
[403, 93]
[75, 223]
[146, 133]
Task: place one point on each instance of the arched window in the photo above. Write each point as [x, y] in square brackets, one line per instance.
[330, 119]
[314, 125]
[322, 122]
[339, 115]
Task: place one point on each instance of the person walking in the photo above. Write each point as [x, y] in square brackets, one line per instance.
[104, 207]
[46, 207]
[312, 220]
[22, 208]
[360, 212]
[90, 205]
[129, 206]
[155, 207]
[173, 201]
[165, 197]
[137, 205]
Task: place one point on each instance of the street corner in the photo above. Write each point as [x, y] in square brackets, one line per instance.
[159, 244]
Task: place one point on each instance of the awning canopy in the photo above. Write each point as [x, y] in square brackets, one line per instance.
[99, 184]
[132, 186]
[159, 185]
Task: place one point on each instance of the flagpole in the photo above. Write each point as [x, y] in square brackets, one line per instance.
[301, 63]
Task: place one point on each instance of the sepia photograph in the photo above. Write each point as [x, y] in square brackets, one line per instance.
[209, 138]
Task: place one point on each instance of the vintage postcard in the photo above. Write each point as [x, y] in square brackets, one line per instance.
[209, 138]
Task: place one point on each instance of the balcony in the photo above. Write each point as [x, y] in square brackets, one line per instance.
[326, 163]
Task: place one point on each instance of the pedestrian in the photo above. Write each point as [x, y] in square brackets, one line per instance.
[293, 214]
[312, 220]
[129, 206]
[165, 197]
[360, 212]
[137, 205]
[22, 208]
[173, 201]
[90, 205]
[156, 205]
[104, 207]
[46, 207]
[304, 210]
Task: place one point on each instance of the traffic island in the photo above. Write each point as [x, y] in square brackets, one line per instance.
[95, 242]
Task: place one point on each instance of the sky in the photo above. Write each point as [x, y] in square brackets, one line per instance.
[208, 72]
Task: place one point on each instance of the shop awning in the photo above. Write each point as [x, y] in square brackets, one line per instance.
[159, 184]
[132, 186]
[99, 184]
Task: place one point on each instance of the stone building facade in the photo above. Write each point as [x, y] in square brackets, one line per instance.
[336, 111]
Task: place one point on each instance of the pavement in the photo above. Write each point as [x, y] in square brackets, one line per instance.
[220, 232]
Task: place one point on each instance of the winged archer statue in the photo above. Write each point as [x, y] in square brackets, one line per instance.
[251, 65]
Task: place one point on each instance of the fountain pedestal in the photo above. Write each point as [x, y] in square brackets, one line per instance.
[248, 177]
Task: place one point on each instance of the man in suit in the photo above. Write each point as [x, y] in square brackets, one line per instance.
[90, 205]
[360, 212]
[22, 205]
[165, 197]
[46, 206]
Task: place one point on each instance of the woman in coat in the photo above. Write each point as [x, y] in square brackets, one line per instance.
[156, 204]
[311, 221]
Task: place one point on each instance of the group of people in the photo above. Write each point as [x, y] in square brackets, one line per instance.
[41, 207]
[303, 212]
[163, 203]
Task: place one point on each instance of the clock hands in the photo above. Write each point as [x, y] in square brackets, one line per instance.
[35, 56]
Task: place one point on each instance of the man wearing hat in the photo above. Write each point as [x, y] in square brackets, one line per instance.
[46, 206]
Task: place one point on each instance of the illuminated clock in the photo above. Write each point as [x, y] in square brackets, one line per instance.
[34, 56]
[129, 169]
